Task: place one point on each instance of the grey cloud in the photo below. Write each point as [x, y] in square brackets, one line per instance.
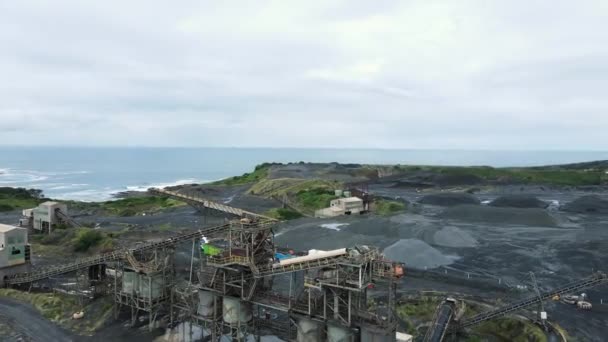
[415, 74]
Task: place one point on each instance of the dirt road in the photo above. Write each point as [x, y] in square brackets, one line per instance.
[28, 325]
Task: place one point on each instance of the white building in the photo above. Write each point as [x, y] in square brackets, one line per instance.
[45, 215]
[14, 251]
[342, 206]
[13, 246]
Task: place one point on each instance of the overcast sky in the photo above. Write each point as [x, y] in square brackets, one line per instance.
[328, 73]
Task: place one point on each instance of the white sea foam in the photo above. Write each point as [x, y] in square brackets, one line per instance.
[73, 185]
[87, 195]
[333, 226]
[20, 177]
[145, 187]
[32, 178]
[66, 186]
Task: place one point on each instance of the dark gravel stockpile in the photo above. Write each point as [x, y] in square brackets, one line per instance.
[449, 199]
[503, 216]
[416, 253]
[591, 204]
[519, 201]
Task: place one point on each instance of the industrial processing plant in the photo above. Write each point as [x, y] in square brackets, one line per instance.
[238, 283]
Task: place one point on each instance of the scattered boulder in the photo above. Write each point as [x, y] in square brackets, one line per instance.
[449, 199]
[591, 204]
[501, 216]
[519, 201]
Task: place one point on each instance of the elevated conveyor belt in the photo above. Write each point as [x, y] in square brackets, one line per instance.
[199, 201]
[66, 218]
[52, 271]
[301, 266]
[594, 280]
[310, 264]
[439, 327]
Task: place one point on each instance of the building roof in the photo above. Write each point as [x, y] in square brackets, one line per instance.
[49, 203]
[403, 336]
[7, 227]
[351, 199]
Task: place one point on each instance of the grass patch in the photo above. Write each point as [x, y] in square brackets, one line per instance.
[548, 176]
[55, 307]
[83, 240]
[315, 198]
[422, 309]
[137, 205]
[412, 313]
[302, 195]
[511, 329]
[260, 172]
[284, 214]
[59, 308]
[19, 198]
[87, 238]
[385, 207]
[165, 227]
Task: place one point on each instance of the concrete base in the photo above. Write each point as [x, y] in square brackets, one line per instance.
[8, 271]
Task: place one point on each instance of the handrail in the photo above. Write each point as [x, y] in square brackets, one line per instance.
[594, 280]
[210, 204]
[21, 278]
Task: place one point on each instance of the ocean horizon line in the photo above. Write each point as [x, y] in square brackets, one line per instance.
[304, 148]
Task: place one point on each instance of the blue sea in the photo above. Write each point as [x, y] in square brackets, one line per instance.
[93, 174]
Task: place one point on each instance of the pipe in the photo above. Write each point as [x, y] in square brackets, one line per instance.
[310, 257]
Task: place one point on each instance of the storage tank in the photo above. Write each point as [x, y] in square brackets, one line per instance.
[309, 330]
[337, 333]
[151, 286]
[374, 334]
[338, 193]
[235, 311]
[205, 303]
[130, 282]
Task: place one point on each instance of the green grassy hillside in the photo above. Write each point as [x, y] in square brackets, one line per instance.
[19, 198]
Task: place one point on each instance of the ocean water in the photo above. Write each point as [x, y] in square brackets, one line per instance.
[92, 174]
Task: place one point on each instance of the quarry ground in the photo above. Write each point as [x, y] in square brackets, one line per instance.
[457, 250]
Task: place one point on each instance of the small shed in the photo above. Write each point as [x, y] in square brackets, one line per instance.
[45, 215]
[13, 245]
[348, 205]
[342, 206]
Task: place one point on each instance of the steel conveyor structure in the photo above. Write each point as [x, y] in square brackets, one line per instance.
[439, 327]
[205, 203]
[47, 272]
[596, 279]
[67, 218]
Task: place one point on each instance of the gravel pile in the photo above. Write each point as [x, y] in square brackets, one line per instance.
[501, 216]
[449, 199]
[416, 253]
[591, 204]
[519, 201]
[454, 237]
